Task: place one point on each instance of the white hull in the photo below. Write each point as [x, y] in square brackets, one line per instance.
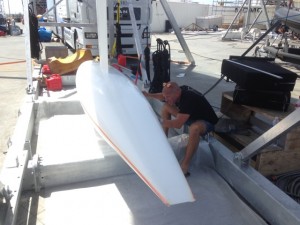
[289, 17]
[123, 116]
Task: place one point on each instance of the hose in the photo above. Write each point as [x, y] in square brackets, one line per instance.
[7, 63]
[289, 183]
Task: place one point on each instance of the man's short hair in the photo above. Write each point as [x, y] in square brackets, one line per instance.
[170, 87]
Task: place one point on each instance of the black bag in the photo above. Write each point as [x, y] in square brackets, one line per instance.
[34, 34]
[161, 66]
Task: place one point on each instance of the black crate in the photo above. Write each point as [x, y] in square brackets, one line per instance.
[276, 100]
[258, 74]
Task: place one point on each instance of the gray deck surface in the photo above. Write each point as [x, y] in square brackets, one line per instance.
[122, 198]
[127, 200]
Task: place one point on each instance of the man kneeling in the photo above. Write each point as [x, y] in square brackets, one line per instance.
[187, 106]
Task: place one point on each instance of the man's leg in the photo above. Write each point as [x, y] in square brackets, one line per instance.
[166, 112]
[196, 129]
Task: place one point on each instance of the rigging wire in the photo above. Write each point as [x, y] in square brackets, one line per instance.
[214, 85]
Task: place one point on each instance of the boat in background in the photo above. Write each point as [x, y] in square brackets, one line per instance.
[289, 17]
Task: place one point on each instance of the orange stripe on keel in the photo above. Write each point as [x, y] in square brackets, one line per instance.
[159, 195]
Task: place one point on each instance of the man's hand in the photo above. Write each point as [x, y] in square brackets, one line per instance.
[145, 93]
[158, 96]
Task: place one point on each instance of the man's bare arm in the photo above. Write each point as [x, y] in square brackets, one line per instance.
[177, 122]
[158, 96]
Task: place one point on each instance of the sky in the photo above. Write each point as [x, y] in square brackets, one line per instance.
[16, 6]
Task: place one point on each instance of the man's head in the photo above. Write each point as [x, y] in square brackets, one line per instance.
[171, 92]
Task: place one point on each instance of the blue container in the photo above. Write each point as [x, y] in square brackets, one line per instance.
[44, 35]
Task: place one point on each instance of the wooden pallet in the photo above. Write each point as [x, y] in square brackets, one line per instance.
[274, 159]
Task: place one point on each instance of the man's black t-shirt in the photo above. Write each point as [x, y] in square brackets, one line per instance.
[195, 104]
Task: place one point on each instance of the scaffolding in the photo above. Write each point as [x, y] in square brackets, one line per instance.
[227, 9]
[239, 13]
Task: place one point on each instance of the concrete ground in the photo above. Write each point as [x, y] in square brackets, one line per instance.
[12, 86]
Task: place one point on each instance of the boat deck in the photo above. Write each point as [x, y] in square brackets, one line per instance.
[127, 200]
[71, 151]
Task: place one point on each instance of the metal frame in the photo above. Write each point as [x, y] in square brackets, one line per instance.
[49, 24]
[52, 8]
[138, 44]
[13, 178]
[292, 120]
[176, 29]
[15, 164]
[268, 201]
[263, 6]
[45, 172]
[27, 50]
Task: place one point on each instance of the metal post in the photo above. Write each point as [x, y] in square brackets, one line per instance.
[68, 8]
[263, 7]
[256, 18]
[247, 23]
[176, 29]
[53, 8]
[102, 35]
[224, 37]
[137, 39]
[28, 49]
[291, 121]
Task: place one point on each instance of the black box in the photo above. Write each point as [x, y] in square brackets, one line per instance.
[275, 100]
[253, 73]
